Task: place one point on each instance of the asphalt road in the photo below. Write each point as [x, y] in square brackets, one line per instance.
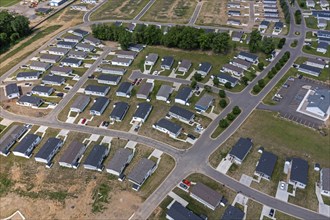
[197, 10]
[144, 10]
[194, 159]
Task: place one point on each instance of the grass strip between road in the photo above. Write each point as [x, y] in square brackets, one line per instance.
[37, 36]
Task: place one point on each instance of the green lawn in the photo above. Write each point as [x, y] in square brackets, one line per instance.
[312, 50]
[35, 37]
[279, 136]
[280, 215]
[119, 9]
[311, 22]
[7, 3]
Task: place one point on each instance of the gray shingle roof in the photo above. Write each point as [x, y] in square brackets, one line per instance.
[142, 110]
[61, 69]
[96, 156]
[227, 77]
[185, 64]
[241, 148]
[167, 61]
[56, 79]
[99, 104]
[48, 147]
[43, 89]
[179, 212]
[140, 170]
[267, 163]
[205, 67]
[152, 57]
[249, 55]
[233, 213]
[125, 87]
[207, 194]
[96, 88]
[325, 175]
[26, 142]
[168, 125]
[119, 159]
[205, 101]
[145, 89]
[80, 102]
[71, 153]
[320, 99]
[299, 170]
[184, 93]
[184, 113]
[34, 100]
[165, 91]
[119, 111]
[109, 77]
[28, 74]
[310, 68]
[11, 88]
[71, 60]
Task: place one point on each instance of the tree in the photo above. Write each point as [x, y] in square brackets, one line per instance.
[14, 37]
[222, 93]
[281, 43]
[255, 38]
[125, 39]
[216, 81]
[207, 89]
[278, 66]
[152, 35]
[205, 41]
[261, 83]
[297, 16]
[256, 89]
[245, 80]
[231, 117]
[198, 77]
[228, 85]
[261, 66]
[223, 123]
[270, 75]
[236, 110]
[189, 38]
[193, 84]
[220, 43]
[267, 45]
[223, 103]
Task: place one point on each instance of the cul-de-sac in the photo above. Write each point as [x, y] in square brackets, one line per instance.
[165, 109]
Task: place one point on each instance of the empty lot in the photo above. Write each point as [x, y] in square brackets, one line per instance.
[178, 11]
[119, 9]
[213, 12]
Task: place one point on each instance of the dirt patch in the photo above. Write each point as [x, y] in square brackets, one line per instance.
[10, 105]
[213, 13]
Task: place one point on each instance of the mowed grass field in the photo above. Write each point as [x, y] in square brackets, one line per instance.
[282, 137]
[119, 9]
[178, 11]
[7, 3]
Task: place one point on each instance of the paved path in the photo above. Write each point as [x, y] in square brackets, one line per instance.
[144, 10]
[197, 10]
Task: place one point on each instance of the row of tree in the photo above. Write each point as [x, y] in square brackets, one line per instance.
[286, 11]
[13, 27]
[262, 82]
[187, 38]
[225, 122]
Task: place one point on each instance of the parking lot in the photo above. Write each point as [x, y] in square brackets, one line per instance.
[289, 97]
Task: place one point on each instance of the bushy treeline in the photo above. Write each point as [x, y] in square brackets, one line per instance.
[183, 37]
[286, 11]
[13, 27]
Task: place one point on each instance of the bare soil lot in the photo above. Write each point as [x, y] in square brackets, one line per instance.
[178, 11]
[63, 193]
[119, 9]
[213, 12]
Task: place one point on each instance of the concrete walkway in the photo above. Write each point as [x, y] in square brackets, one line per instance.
[6, 122]
[131, 145]
[246, 180]
[15, 216]
[106, 140]
[224, 165]
[323, 208]
[178, 199]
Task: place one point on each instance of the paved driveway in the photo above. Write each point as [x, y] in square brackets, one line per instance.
[282, 194]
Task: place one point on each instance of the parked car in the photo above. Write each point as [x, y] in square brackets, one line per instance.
[83, 121]
[28, 84]
[187, 182]
[136, 129]
[135, 80]
[61, 94]
[191, 136]
[271, 213]
[282, 186]
[183, 186]
[138, 82]
[105, 123]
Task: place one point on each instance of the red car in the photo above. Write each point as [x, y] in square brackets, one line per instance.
[83, 121]
[187, 182]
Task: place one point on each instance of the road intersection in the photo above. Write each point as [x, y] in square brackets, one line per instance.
[194, 159]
